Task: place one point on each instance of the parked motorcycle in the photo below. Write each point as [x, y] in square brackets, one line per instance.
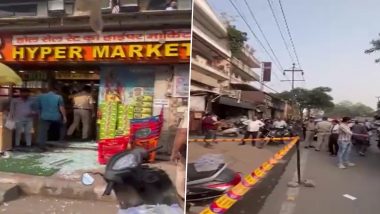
[276, 133]
[203, 187]
[136, 184]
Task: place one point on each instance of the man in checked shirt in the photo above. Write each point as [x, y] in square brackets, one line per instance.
[345, 143]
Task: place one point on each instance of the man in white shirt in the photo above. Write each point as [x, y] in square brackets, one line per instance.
[279, 123]
[253, 128]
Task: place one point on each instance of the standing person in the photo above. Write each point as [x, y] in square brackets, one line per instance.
[179, 154]
[280, 123]
[210, 126]
[83, 111]
[323, 133]
[333, 142]
[304, 129]
[172, 5]
[51, 111]
[360, 140]
[310, 132]
[253, 129]
[22, 113]
[345, 144]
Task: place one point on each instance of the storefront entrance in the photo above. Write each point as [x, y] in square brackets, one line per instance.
[67, 82]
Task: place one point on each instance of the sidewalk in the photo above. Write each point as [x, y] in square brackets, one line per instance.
[66, 183]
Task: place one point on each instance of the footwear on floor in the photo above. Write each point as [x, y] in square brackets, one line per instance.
[317, 150]
[350, 164]
[306, 147]
[361, 154]
[341, 166]
[241, 144]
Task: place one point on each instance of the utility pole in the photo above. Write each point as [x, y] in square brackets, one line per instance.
[293, 71]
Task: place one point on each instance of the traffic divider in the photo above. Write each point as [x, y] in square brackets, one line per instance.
[226, 201]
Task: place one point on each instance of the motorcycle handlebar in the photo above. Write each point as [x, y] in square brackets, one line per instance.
[109, 188]
[154, 149]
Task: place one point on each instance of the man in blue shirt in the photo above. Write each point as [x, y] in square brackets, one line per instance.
[51, 111]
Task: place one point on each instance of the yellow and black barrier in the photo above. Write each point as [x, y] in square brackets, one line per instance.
[226, 201]
[240, 139]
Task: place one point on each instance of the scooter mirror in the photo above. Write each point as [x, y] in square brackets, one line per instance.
[87, 179]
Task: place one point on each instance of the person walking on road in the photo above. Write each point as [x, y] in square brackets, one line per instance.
[253, 128]
[360, 140]
[22, 113]
[345, 144]
[310, 132]
[323, 133]
[83, 112]
[333, 142]
[51, 111]
[210, 126]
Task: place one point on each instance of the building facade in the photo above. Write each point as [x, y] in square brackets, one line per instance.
[143, 52]
[218, 77]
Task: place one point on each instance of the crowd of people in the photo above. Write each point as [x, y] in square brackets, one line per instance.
[49, 109]
[338, 137]
[251, 128]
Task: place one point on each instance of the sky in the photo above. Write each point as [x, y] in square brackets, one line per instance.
[330, 38]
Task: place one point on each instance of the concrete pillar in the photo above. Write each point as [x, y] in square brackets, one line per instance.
[162, 86]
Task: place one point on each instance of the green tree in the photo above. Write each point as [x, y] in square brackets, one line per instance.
[236, 39]
[375, 47]
[316, 98]
[347, 108]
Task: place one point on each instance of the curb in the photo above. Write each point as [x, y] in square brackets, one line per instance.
[56, 187]
[259, 193]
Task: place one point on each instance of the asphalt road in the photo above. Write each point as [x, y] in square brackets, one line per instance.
[361, 182]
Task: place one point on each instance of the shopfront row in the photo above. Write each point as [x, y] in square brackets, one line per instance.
[49, 110]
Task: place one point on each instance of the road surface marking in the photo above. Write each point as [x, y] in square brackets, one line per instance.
[289, 206]
[350, 197]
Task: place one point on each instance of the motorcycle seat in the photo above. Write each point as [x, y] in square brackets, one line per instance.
[193, 174]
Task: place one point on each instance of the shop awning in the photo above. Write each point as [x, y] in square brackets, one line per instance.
[234, 102]
[8, 76]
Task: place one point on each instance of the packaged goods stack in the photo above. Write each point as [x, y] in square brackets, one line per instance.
[108, 120]
[123, 123]
[122, 120]
[142, 107]
[111, 140]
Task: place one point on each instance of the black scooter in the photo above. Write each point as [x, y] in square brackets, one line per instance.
[203, 187]
[134, 183]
